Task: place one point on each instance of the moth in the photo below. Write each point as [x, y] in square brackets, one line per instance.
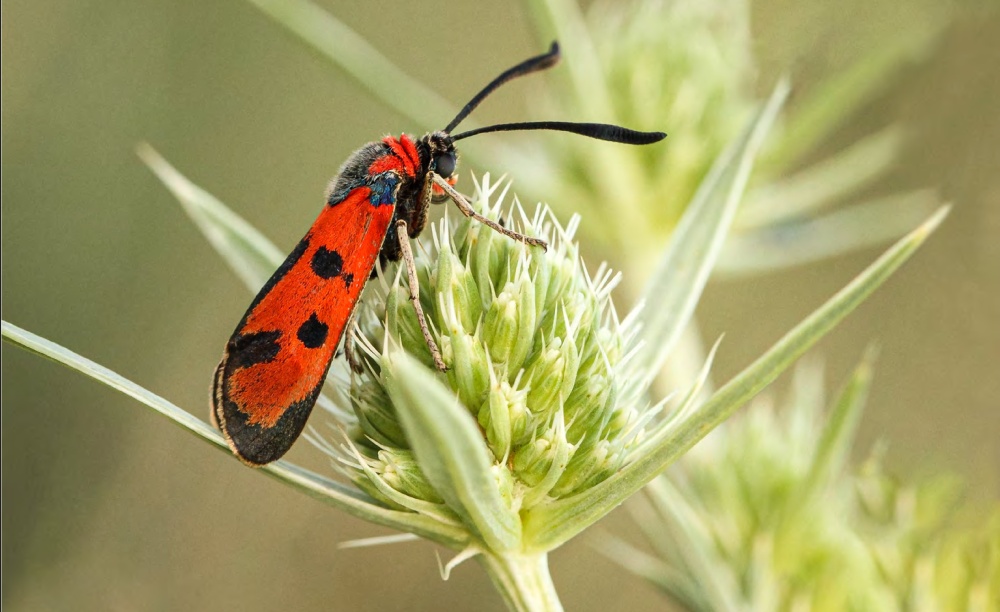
[274, 365]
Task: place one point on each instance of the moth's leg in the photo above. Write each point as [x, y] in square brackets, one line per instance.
[467, 210]
[352, 358]
[419, 219]
[411, 275]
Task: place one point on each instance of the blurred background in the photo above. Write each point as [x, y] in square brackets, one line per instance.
[108, 506]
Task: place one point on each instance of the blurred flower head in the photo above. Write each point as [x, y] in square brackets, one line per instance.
[688, 68]
[777, 519]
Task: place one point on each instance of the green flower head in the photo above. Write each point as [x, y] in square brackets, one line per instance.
[536, 355]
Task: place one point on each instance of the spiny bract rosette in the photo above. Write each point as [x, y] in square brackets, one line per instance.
[535, 350]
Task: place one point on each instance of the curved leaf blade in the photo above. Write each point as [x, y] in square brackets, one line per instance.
[834, 448]
[335, 41]
[804, 240]
[329, 491]
[450, 450]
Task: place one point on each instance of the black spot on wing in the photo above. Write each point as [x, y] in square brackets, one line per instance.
[312, 333]
[326, 263]
[348, 279]
[245, 350]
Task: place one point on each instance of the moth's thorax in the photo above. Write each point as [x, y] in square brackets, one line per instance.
[374, 162]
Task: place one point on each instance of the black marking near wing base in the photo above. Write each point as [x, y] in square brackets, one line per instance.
[245, 350]
[326, 264]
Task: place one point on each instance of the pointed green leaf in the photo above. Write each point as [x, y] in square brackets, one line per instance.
[450, 450]
[438, 511]
[247, 251]
[548, 526]
[329, 491]
[674, 289]
[668, 425]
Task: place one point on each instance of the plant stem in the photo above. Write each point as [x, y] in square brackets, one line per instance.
[523, 580]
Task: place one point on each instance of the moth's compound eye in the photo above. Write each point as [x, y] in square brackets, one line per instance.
[444, 164]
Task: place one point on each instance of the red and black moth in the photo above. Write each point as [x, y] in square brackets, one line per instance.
[274, 364]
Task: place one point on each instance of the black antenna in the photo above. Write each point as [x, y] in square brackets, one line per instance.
[534, 64]
[600, 131]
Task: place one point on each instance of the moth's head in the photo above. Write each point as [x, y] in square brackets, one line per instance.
[442, 159]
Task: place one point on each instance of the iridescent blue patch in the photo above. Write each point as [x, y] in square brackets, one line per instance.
[383, 189]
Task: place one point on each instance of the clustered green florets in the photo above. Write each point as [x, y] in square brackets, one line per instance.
[534, 352]
[776, 499]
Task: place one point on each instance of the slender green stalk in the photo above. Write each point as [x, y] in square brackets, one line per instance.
[523, 580]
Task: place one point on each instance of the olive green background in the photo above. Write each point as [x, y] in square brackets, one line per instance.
[108, 506]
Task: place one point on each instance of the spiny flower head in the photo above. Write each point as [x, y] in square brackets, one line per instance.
[535, 353]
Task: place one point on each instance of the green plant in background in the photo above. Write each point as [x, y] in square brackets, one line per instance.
[690, 66]
[545, 421]
[542, 425]
[687, 67]
[767, 514]
[924, 558]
